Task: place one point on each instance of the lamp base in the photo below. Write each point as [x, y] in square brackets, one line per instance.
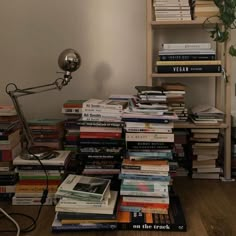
[39, 152]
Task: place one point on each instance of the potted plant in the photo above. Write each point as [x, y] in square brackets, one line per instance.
[227, 17]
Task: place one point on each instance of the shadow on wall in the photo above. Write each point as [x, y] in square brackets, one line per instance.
[101, 76]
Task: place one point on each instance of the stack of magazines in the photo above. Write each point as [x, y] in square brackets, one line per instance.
[206, 114]
[86, 203]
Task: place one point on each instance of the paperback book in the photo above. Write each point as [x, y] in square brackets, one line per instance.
[85, 186]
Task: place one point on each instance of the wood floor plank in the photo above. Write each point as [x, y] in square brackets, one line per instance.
[209, 207]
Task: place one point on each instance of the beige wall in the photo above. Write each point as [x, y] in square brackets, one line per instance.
[109, 35]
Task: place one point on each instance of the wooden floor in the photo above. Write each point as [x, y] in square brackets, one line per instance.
[209, 206]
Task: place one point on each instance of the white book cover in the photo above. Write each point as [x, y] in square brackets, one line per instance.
[107, 103]
[169, 125]
[149, 137]
[80, 185]
[59, 160]
[186, 46]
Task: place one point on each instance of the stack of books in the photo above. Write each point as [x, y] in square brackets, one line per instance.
[205, 153]
[10, 147]
[47, 132]
[149, 142]
[205, 9]
[33, 180]
[187, 58]
[86, 203]
[206, 115]
[145, 186]
[175, 95]
[72, 108]
[166, 10]
[101, 141]
[181, 163]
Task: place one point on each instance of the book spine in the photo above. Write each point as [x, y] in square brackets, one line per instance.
[74, 110]
[151, 227]
[101, 110]
[102, 106]
[199, 57]
[100, 123]
[144, 177]
[100, 135]
[146, 120]
[146, 137]
[84, 227]
[185, 63]
[145, 168]
[189, 69]
[186, 46]
[110, 115]
[7, 188]
[151, 130]
[32, 201]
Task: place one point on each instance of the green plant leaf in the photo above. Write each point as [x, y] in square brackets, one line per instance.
[232, 51]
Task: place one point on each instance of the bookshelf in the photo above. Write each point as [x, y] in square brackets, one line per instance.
[222, 87]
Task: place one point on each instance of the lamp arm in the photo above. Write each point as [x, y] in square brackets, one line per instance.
[14, 93]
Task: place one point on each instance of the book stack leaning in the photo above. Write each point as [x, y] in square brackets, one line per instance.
[145, 202]
[86, 203]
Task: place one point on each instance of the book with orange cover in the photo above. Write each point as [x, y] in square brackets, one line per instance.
[173, 221]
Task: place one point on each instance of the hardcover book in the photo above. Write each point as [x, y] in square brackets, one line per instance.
[173, 221]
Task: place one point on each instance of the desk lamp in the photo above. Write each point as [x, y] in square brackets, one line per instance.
[69, 61]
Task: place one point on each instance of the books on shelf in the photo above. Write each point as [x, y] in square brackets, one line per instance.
[171, 10]
[191, 46]
[209, 66]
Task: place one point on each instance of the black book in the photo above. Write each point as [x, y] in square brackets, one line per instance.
[188, 69]
[146, 120]
[187, 57]
[173, 221]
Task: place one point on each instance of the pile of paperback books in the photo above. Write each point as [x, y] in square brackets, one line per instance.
[86, 203]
